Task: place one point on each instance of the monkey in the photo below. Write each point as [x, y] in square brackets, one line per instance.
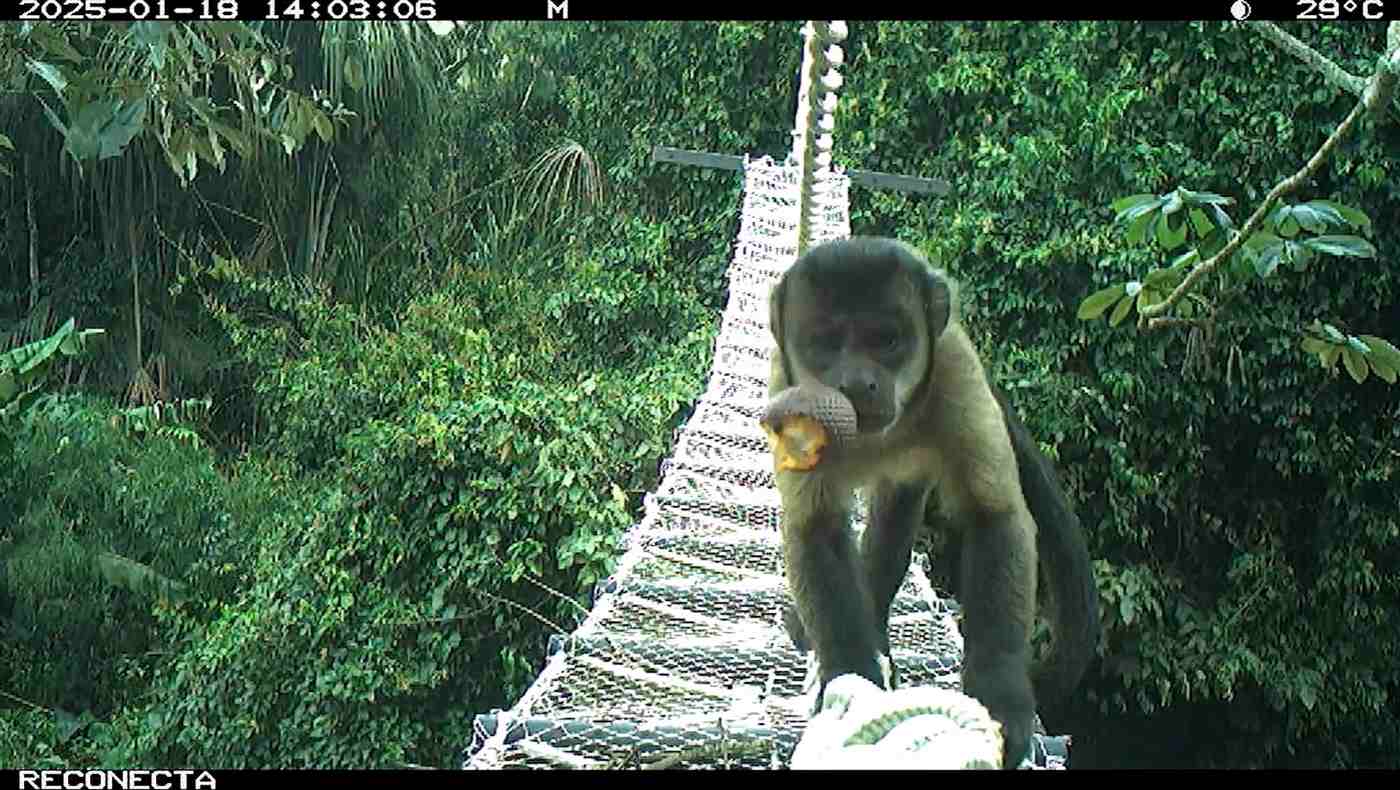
[872, 319]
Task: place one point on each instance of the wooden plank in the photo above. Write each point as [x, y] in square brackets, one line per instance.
[681, 156]
[863, 178]
[878, 180]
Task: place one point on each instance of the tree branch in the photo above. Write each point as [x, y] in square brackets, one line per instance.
[1330, 71]
[1376, 94]
[1148, 316]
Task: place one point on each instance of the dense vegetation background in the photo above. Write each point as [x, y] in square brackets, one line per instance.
[398, 326]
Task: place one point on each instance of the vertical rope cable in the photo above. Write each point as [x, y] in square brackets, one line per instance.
[816, 117]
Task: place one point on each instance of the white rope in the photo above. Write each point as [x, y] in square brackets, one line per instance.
[862, 726]
[813, 133]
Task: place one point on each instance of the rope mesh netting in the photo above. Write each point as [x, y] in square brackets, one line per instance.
[683, 661]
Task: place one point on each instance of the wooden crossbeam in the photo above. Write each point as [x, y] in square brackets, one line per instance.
[864, 178]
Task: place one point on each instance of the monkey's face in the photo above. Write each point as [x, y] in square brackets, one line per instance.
[856, 316]
[861, 315]
[871, 357]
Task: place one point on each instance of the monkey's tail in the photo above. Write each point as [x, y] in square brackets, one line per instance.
[1073, 598]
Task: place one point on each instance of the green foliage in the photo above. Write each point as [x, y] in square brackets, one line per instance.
[472, 477]
[168, 419]
[22, 369]
[108, 530]
[1361, 355]
[115, 84]
[38, 739]
[22, 373]
[467, 407]
[1149, 218]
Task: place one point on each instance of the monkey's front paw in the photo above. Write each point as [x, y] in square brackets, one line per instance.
[1014, 709]
[880, 672]
[796, 631]
[801, 421]
[1016, 739]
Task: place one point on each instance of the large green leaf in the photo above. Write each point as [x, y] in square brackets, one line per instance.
[30, 356]
[1284, 222]
[1098, 302]
[117, 131]
[1267, 257]
[1134, 206]
[1125, 305]
[1171, 230]
[22, 367]
[1166, 279]
[1173, 203]
[1382, 349]
[1355, 364]
[1316, 216]
[1349, 215]
[1200, 222]
[1349, 246]
[1137, 228]
[49, 73]
[1195, 198]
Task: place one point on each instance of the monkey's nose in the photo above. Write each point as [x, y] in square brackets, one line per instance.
[858, 388]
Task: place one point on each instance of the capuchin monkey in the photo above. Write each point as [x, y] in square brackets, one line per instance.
[870, 318]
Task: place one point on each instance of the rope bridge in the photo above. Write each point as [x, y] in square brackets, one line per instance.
[684, 662]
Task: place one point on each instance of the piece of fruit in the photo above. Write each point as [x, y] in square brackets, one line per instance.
[802, 421]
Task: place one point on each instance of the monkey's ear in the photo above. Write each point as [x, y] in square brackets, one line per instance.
[775, 310]
[939, 293]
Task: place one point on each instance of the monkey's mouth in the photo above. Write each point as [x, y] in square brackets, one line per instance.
[868, 422]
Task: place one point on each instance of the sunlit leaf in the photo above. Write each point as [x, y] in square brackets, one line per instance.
[49, 73]
[1383, 349]
[1205, 198]
[1134, 206]
[1350, 246]
[1121, 311]
[1173, 203]
[1355, 364]
[1171, 231]
[1097, 303]
[1315, 217]
[1349, 215]
[1137, 229]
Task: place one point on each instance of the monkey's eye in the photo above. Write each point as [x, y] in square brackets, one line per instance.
[883, 340]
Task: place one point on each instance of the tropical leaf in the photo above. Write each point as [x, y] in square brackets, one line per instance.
[1097, 303]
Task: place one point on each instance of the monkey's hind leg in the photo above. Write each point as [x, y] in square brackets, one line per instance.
[998, 599]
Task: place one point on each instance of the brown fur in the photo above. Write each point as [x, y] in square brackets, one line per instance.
[870, 317]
